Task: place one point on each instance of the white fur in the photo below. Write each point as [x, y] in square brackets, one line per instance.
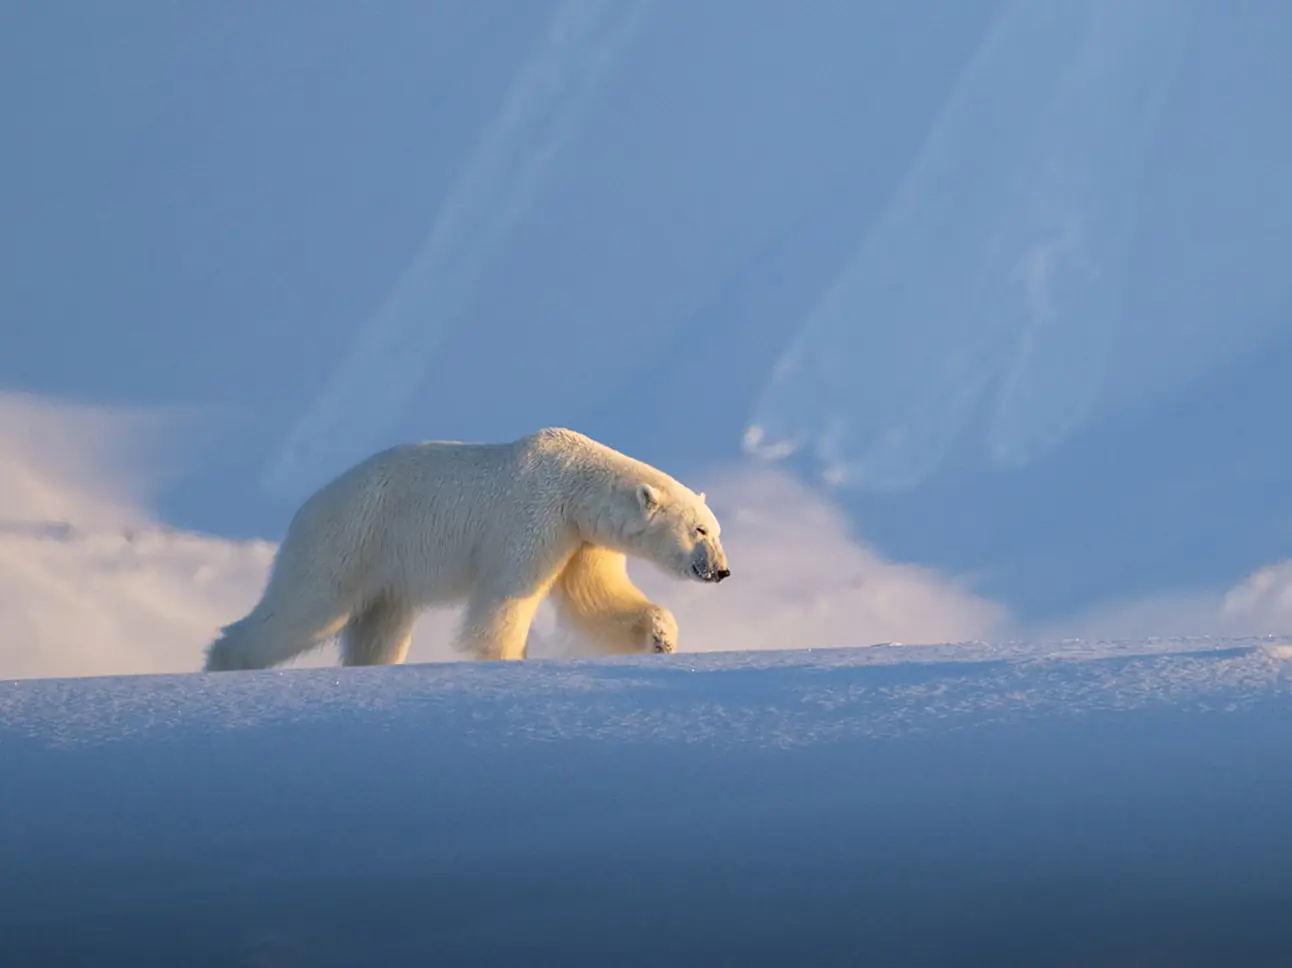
[495, 527]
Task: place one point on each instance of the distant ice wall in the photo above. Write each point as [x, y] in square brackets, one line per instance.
[992, 286]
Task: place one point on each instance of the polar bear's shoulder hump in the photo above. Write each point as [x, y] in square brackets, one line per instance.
[566, 446]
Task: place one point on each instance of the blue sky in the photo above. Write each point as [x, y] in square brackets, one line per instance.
[1007, 281]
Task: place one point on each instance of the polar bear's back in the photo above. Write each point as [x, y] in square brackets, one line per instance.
[428, 520]
[413, 517]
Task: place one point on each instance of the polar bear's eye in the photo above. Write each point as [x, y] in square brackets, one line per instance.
[701, 530]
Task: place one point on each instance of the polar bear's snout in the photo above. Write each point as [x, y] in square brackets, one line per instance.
[710, 564]
[714, 575]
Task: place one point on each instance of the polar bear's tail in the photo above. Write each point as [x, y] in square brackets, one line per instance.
[271, 635]
[231, 650]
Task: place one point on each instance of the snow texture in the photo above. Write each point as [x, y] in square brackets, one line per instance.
[788, 698]
[1075, 803]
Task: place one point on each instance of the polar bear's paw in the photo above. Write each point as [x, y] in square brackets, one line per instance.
[661, 631]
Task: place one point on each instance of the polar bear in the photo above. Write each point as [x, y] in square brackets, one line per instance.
[495, 527]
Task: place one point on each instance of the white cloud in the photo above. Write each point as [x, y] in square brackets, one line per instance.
[1260, 604]
[91, 583]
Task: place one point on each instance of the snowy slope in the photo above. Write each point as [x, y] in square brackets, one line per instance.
[1020, 803]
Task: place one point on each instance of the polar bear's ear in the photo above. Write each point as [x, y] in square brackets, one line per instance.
[648, 498]
[702, 500]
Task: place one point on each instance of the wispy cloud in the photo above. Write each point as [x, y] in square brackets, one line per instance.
[92, 583]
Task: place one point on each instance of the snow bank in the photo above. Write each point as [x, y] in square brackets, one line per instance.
[1074, 803]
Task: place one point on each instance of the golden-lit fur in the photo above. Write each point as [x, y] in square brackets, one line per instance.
[595, 596]
[492, 526]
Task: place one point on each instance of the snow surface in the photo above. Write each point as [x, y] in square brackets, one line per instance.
[1061, 803]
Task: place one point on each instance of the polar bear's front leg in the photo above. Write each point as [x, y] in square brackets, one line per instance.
[595, 595]
[495, 629]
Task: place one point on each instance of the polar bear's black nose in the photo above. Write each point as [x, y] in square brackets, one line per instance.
[721, 573]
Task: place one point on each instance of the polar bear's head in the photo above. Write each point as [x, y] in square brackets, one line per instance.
[673, 527]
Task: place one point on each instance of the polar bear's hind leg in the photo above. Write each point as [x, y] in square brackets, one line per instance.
[379, 634]
[295, 614]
